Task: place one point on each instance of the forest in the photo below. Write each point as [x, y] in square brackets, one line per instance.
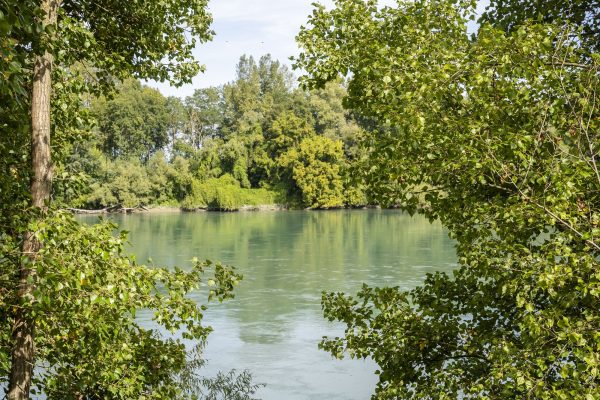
[259, 140]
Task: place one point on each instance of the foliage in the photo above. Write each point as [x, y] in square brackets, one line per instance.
[135, 40]
[86, 290]
[225, 386]
[234, 160]
[315, 169]
[102, 182]
[86, 299]
[204, 115]
[497, 137]
[134, 123]
[585, 14]
[230, 386]
[258, 94]
[128, 184]
[225, 194]
[242, 129]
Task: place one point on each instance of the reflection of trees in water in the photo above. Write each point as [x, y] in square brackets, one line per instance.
[288, 258]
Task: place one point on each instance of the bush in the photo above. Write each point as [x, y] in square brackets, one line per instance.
[315, 170]
[123, 182]
[257, 197]
[226, 199]
[225, 194]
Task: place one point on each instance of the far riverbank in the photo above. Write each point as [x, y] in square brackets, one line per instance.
[118, 209]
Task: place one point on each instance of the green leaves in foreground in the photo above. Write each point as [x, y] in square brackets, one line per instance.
[88, 294]
[496, 135]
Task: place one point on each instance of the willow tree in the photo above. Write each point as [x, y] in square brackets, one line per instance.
[497, 135]
[53, 53]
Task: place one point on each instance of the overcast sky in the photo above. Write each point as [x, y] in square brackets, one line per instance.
[254, 27]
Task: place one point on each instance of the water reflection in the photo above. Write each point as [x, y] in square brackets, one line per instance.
[288, 258]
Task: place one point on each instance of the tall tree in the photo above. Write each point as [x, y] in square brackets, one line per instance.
[176, 119]
[111, 41]
[204, 115]
[259, 93]
[41, 182]
[242, 98]
[276, 83]
[135, 122]
[496, 136]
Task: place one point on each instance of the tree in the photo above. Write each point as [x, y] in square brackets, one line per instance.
[314, 167]
[241, 129]
[41, 182]
[285, 133]
[205, 115]
[86, 300]
[497, 137]
[234, 160]
[509, 15]
[134, 123]
[176, 120]
[331, 119]
[56, 51]
[259, 93]
[242, 99]
[276, 83]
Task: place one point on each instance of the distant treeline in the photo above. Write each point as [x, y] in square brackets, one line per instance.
[256, 140]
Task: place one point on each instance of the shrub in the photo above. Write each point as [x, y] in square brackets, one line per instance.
[225, 194]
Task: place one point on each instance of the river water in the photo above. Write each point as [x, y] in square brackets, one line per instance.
[273, 326]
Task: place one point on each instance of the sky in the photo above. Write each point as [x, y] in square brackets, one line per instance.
[253, 27]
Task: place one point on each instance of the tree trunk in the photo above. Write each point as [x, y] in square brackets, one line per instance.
[23, 353]
[193, 129]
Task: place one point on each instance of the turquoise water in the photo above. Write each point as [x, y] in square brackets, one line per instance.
[288, 258]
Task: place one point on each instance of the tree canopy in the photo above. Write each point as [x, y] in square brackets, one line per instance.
[585, 14]
[150, 150]
[68, 292]
[495, 135]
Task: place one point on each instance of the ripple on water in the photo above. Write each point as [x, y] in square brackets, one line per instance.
[275, 322]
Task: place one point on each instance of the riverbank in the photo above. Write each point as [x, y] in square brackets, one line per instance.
[172, 209]
[260, 207]
[176, 209]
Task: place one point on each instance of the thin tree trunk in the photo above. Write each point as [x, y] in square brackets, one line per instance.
[23, 353]
[193, 129]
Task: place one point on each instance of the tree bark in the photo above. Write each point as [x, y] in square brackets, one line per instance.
[23, 353]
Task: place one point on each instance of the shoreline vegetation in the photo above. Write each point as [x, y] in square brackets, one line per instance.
[69, 292]
[258, 140]
[152, 209]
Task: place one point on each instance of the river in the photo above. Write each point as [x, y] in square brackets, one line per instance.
[288, 258]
